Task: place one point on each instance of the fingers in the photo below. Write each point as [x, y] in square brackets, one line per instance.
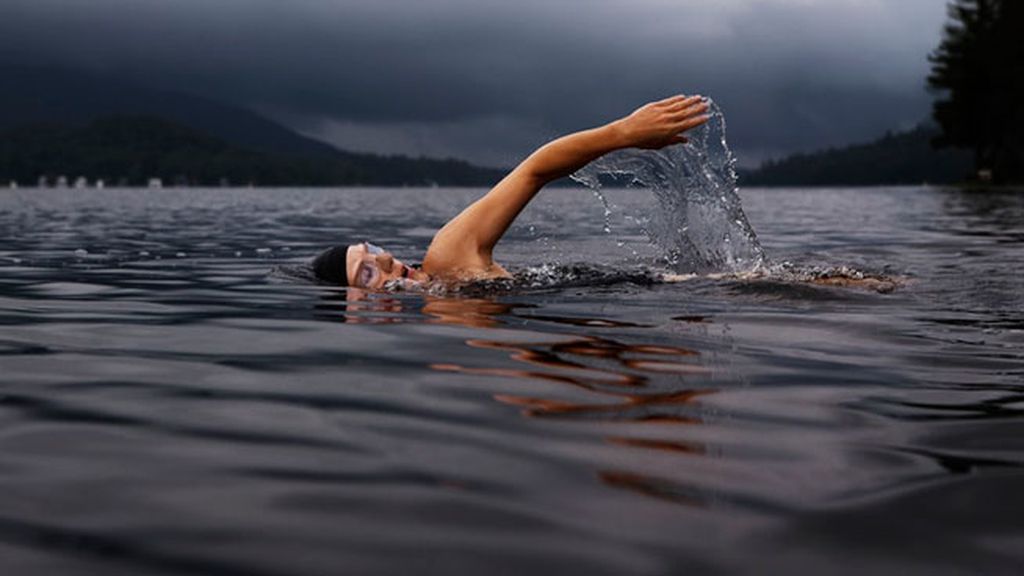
[671, 100]
[679, 140]
[691, 122]
[687, 108]
[686, 102]
[680, 102]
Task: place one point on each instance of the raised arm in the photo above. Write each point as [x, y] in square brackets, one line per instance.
[463, 247]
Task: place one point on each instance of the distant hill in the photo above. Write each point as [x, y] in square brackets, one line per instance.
[56, 122]
[901, 158]
[36, 95]
[129, 150]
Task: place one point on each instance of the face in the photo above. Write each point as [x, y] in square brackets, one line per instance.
[370, 266]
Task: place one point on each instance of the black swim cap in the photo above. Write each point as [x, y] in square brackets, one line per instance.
[330, 266]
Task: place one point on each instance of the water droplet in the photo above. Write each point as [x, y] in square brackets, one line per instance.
[81, 252]
[697, 201]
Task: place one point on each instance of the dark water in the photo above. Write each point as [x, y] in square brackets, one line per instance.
[171, 404]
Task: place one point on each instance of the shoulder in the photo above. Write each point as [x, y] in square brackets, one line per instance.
[461, 266]
[455, 251]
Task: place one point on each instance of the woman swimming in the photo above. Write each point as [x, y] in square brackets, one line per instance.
[461, 251]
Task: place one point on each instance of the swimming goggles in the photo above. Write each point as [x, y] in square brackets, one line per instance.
[367, 273]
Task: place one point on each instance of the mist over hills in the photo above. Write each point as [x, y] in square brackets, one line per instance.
[48, 96]
[55, 122]
[894, 159]
[130, 150]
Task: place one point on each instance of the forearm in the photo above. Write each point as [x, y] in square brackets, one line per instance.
[652, 126]
[568, 154]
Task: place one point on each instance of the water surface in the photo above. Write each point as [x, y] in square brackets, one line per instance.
[172, 403]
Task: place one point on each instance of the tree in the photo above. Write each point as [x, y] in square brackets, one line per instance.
[979, 68]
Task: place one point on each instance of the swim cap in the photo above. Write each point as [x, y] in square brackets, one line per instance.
[330, 266]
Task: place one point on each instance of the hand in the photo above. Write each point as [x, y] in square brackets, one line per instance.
[662, 123]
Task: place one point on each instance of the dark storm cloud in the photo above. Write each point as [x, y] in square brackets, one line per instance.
[424, 77]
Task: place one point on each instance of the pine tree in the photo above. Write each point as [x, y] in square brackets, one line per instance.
[979, 68]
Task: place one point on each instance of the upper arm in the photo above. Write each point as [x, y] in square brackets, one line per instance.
[488, 218]
[466, 242]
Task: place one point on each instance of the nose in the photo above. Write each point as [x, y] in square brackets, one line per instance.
[385, 262]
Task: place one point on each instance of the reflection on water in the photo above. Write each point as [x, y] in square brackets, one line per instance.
[615, 376]
[651, 486]
[987, 212]
[469, 312]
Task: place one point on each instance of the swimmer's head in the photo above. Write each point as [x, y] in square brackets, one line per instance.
[362, 265]
[329, 266]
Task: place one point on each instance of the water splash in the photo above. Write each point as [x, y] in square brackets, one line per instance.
[700, 225]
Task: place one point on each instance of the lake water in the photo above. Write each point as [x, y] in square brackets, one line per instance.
[173, 400]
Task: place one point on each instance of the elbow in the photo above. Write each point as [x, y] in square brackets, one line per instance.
[535, 172]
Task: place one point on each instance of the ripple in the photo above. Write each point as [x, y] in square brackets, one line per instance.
[221, 413]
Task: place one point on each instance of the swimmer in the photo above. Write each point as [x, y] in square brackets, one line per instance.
[461, 251]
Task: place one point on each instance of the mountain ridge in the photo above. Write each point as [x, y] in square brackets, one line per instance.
[131, 150]
[38, 95]
[70, 109]
[896, 158]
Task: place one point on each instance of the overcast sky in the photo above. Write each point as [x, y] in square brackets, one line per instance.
[488, 80]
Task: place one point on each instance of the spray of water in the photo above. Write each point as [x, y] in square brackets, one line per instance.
[699, 224]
